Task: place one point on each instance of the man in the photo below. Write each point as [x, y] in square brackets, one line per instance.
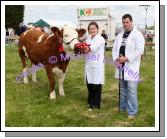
[127, 50]
[105, 37]
[149, 37]
[22, 28]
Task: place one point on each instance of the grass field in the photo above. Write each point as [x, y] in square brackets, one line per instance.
[28, 105]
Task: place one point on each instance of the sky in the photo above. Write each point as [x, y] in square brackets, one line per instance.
[33, 13]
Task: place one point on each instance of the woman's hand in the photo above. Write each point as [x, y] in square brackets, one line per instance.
[82, 48]
[86, 49]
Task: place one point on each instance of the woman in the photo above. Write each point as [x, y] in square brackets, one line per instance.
[94, 65]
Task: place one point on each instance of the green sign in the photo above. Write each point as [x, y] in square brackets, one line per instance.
[93, 12]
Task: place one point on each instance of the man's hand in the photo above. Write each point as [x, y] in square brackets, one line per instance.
[122, 59]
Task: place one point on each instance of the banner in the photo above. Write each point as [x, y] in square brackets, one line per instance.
[93, 12]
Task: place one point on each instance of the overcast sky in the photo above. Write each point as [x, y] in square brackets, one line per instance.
[69, 13]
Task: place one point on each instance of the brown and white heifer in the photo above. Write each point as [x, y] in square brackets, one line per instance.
[40, 47]
[82, 36]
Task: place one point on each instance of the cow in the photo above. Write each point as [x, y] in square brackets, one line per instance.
[11, 31]
[39, 47]
[82, 36]
[82, 45]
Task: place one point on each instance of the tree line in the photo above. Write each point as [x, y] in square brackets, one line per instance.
[14, 15]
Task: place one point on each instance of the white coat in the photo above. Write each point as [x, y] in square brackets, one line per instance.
[133, 51]
[94, 60]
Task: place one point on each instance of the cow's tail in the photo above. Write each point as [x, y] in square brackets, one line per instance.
[23, 54]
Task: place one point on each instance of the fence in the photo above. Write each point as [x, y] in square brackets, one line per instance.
[11, 39]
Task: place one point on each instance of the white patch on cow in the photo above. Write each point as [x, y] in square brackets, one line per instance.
[25, 73]
[53, 95]
[58, 72]
[40, 38]
[66, 70]
[24, 49]
[71, 34]
[50, 36]
[61, 82]
[60, 75]
[27, 31]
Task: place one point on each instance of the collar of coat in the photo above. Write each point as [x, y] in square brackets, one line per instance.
[133, 30]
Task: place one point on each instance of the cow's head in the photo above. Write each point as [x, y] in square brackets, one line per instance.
[70, 36]
[55, 40]
[57, 31]
[81, 34]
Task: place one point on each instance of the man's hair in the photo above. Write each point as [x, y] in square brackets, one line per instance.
[127, 16]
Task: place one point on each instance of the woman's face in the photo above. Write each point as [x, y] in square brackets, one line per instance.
[93, 30]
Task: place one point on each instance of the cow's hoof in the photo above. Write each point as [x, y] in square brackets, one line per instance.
[52, 95]
[62, 95]
[26, 82]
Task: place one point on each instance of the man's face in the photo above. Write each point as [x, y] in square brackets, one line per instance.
[127, 24]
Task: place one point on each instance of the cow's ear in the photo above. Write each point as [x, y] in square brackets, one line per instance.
[54, 29]
[83, 30]
[76, 30]
[61, 32]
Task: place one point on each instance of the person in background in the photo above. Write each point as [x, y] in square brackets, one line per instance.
[105, 37]
[7, 32]
[94, 65]
[149, 37]
[127, 50]
[22, 28]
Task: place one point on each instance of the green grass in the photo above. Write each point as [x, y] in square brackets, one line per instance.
[28, 105]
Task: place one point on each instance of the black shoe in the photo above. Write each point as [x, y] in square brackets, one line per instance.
[91, 107]
[97, 107]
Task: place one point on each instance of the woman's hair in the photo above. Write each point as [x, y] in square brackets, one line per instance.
[93, 23]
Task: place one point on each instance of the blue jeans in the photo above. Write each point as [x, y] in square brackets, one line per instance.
[128, 97]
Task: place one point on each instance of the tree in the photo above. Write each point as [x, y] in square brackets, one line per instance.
[13, 16]
[150, 28]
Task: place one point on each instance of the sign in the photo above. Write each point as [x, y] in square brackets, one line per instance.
[93, 12]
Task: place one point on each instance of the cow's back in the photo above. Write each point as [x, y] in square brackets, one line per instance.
[32, 44]
[32, 37]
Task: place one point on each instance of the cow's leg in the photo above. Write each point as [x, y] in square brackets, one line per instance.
[51, 82]
[23, 60]
[33, 72]
[61, 82]
[60, 75]
[25, 75]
